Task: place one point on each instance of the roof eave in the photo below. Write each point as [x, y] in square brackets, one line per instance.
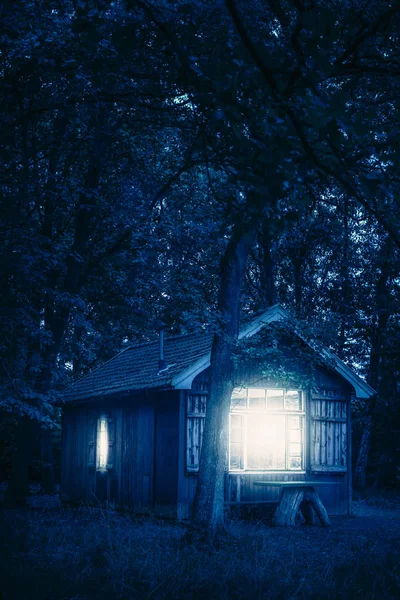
[114, 395]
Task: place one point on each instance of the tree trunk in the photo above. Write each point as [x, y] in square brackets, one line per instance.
[360, 470]
[18, 486]
[46, 447]
[208, 513]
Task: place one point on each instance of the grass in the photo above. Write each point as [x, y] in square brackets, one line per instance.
[91, 553]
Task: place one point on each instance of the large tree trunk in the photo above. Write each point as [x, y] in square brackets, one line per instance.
[208, 514]
[47, 459]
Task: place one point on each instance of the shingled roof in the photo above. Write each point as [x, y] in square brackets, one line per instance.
[137, 367]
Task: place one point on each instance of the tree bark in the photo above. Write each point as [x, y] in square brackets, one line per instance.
[208, 513]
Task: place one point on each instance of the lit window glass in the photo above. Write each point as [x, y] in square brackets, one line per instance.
[256, 399]
[102, 443]
[275, 399]
[236, 442]
[266, 442]
[264, 433]
[239, 398]
[292, 400]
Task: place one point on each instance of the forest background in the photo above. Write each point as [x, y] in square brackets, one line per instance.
[142, 140]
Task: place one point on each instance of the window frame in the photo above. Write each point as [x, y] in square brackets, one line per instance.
[246, 411]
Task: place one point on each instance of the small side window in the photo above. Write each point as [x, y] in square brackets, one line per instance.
[102, 442]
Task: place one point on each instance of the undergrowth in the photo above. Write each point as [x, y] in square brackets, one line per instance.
[91, 553]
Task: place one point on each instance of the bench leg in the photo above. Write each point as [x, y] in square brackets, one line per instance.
[315, 502]
[308, 512]
[285, 514]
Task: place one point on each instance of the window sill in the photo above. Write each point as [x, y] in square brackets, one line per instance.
[251, 472]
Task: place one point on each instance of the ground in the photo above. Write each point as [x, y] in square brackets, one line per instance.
[91, 553]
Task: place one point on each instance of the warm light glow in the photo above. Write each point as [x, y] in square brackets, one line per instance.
[102, 443]
[266, 442]
[265, 433]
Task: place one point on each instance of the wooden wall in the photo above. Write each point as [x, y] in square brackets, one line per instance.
[167, 453]
[138, 457]
[149, 468]
[74, 455]
[142, 469]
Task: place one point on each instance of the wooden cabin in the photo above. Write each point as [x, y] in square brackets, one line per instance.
[132, 428]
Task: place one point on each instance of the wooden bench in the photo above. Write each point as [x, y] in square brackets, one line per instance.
[295, 496]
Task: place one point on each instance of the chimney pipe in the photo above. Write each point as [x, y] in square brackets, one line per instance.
[161, 362]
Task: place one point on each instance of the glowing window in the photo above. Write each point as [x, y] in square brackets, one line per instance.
[102, 443]
[266, 430]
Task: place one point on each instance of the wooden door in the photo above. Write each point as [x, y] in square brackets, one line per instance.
[138, 457]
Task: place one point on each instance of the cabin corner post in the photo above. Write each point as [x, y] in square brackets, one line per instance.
[349, 460]
[118, 454]
[63, 494]
[181, 511]
[307, 436]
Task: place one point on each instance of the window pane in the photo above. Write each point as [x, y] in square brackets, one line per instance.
[292, 400]
[295, 435]
[256, 399]
[295, 449]
[236, 434]
[235, 456]
[266, 442]
[238, 399]
[236, 446]
[295, 462]
[275, 399]
[295, 423]
[236, 420]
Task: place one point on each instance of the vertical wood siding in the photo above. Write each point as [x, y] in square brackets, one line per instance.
[81, 480]
[74, 462]
[142, 458]
[196, 402]
[138, 456]
[166, 451]
[149, 464]
[328, 422]
[92, 447]
[129, 452]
